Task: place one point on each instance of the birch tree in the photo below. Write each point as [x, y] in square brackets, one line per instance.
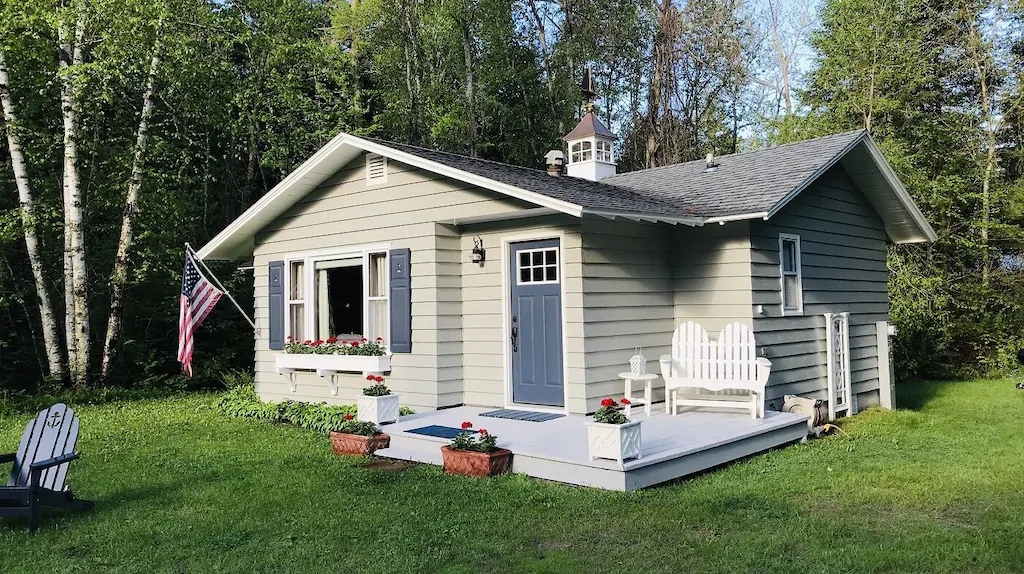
[71, 35]
[48, 319]
[119, 278]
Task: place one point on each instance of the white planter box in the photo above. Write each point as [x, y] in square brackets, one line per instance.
[616, 442]
[378, 410]
[337, 363]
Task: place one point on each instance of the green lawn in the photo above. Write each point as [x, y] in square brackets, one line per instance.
[938, 487]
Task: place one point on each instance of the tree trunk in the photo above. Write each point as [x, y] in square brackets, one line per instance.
[465, 26]
[51, 338]
[545, 56]
[74, 230]
[119, 277]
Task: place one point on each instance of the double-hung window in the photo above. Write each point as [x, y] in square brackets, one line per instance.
[792, 280]
[342, 295]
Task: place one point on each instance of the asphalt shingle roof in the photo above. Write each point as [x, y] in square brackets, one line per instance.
[743, 183]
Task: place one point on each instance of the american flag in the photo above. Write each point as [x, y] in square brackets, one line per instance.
[198, 296]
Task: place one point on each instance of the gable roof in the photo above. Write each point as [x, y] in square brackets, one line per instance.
[750, 185]
[758, 184]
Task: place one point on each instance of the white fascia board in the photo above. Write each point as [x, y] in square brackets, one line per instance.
[471, 178]
[319, 167]
[901, 192]
[740, 217]
[693, 221]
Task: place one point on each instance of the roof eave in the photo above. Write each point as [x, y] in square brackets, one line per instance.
[226, 243]
[693, 221]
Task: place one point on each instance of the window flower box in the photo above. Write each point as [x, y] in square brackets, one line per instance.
[336, 363]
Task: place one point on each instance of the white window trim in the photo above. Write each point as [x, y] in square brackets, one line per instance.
[380, 180]
[309, 263]
[558, 266]
[799, 309]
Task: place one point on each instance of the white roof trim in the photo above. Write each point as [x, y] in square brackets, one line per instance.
[693, 221]
[725, 218]
[901, 192]
[322, 165]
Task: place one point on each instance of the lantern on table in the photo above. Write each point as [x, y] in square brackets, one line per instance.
[637, 363]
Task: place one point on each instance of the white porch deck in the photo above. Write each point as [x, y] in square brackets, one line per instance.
[673, 446]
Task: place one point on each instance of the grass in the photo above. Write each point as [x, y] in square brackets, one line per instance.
[936, 487]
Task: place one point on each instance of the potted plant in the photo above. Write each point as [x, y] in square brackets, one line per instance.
[360, 438]
[377, 405]
[334, 355]
[611, 435]
[475, 453]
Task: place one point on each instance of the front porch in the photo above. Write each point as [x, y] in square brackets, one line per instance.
[673, 446]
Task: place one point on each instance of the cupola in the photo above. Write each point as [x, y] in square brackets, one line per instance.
[591, 154]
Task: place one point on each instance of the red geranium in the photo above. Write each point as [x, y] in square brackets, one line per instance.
[332, 340]
[380, 339]
[624, 401]
[483, 432]
[289, 337]
[379, 379]
[349, 417]
[371, 378]
[355, 343]
[364, 339]
[308, 342]
[467, 425]
[608, 403]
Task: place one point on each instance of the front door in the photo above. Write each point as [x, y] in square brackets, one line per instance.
[536, 323]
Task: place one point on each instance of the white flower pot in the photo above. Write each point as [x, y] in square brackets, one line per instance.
[615, 442]
[338, 363]
[378, 410]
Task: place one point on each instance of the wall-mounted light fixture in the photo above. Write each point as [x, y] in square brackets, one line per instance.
[479, 253]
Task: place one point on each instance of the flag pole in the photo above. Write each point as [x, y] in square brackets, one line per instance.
[221, 287]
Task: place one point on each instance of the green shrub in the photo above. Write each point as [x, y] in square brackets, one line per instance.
[241, 400]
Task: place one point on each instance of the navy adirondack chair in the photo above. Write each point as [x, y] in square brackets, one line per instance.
[41, 466]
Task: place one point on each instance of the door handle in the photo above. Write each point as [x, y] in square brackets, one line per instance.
[515, 334]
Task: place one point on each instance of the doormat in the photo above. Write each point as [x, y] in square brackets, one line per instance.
[438, 431]
[531, 416]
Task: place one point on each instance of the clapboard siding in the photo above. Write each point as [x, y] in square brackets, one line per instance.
[408, 211]
[712, 276]
[628, 299]
[843, 249]
[484, 342]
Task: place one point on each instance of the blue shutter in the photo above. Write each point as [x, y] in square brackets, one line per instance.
[400, 300]
[275, 303]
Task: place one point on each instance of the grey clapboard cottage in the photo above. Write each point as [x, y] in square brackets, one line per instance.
[376, 238]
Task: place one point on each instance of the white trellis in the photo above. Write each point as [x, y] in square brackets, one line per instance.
[837, 344]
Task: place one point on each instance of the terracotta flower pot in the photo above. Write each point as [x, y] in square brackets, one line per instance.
[473, 463]
[344, 443]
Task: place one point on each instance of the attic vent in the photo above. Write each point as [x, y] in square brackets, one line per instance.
[376, 169]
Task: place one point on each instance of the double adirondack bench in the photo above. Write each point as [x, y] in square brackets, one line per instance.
[40, 467]
[728, 363]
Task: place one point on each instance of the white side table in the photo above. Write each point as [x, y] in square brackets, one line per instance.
[648, 379]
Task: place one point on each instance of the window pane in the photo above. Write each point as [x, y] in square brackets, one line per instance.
[550, 273]
[576, 147]
[296, 322]
[524, 259]
[538, 258]
[524, 275]
[339, 301]
[549, 257]
[378, 323]
[789, 256]
[296, 280]
[790, 292]
[586, 145]
[587, 155]
[378, 279]
[538, 273]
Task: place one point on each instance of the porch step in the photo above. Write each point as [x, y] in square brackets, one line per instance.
[413, 447]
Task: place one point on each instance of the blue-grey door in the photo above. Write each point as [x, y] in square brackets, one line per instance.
[536, 323]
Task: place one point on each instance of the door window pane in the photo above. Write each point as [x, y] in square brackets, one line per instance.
[538, 266]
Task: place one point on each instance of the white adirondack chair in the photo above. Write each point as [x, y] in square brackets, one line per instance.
[727, 363]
